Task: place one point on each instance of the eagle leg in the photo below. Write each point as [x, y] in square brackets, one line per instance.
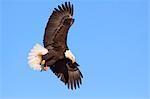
[44, 65]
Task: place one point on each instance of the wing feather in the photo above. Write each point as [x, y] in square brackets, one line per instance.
[64, 8]
[67, 74]
[72, 10]
[60, 8]
[55, 22]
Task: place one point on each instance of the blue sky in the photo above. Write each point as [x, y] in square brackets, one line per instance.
[109, 39]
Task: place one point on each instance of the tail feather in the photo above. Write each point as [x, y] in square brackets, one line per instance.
[35, 56]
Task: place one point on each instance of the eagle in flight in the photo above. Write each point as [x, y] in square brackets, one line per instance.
[55, 54]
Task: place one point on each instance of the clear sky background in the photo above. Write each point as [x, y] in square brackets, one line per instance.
[109, 39]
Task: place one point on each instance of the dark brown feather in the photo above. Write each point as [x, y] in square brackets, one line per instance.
[66, 4]
[55, 23]
[60, 8]
[55, 40]
[72, 10]
[70, 75]
[64, 8]
[69, 5]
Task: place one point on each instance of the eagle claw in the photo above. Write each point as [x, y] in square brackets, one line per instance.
[44, 66]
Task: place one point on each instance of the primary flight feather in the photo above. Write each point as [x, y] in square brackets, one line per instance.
[55, 53]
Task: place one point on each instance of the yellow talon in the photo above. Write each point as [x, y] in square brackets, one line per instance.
[45, 66]
[43, 62]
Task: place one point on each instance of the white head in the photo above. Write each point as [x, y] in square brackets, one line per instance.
[68, 54]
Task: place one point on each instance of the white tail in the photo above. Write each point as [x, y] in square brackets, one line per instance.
[35, 56]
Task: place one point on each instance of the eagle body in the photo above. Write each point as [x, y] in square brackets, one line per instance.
[55, 53]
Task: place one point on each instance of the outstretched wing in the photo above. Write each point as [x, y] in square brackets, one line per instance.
[74, 77]
[55, 31]
[68, 73]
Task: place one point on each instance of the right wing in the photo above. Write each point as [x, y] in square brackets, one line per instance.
[68, 73]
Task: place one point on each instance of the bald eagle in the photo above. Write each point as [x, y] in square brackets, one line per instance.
[55, 54]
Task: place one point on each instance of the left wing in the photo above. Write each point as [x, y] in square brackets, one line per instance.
[57, 27]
